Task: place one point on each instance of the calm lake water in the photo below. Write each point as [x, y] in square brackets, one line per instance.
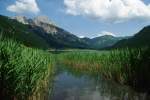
[72, 86]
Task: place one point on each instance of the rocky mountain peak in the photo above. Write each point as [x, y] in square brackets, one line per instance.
[40, 21]
[21, 19]
[45, 23]
[43, 19]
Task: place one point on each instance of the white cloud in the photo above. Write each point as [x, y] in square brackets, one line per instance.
[81, 36]
[106, 33]
[109, 10]
[24, 6]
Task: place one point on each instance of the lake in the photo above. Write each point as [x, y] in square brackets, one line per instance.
[69, 85]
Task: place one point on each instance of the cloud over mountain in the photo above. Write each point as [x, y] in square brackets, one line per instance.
[109, 10]
[106, 33]
[24, 6]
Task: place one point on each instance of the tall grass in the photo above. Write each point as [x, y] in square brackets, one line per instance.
[23, 71]
[126, 66]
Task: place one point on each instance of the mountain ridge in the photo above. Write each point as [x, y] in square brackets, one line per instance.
[40, 32]
[140, 39]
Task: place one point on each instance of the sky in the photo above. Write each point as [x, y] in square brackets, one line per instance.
[86, 18]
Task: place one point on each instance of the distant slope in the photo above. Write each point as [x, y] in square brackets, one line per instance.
[105, 41]
[60, 38]
[35, 33]
[102, 41]
[42, 33]
[142, 38]
[12, 29]
[54, 35]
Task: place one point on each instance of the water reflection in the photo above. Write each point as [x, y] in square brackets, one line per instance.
[71, 86]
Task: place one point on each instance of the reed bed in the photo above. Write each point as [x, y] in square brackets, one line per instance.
[23, 71]
[126, 66]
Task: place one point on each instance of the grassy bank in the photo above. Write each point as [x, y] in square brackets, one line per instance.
[27, 73]
[23, 71]
[126, 66]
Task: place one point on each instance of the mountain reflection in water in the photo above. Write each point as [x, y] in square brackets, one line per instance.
[68, 86]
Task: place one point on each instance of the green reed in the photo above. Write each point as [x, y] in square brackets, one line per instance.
[126, 66]
[23, 71]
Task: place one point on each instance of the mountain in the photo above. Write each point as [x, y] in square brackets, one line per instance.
[142, 38]
[105, 41]
[10, 28]
[40, 32]
[102, 41]
[21, 19]
[60, 38]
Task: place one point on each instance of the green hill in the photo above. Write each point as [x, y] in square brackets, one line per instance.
[141, 39]
[41, 33]
[102, 41]
[12, 29]
[36, 36]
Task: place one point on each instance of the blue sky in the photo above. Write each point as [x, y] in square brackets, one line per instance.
[91, 18]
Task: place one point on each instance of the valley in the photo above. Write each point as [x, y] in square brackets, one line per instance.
[41, 61]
